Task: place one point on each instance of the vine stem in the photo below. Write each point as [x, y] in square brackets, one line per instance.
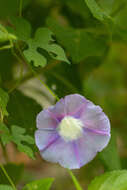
[46, 86]
[75, 181]
[20, 7]
[8, 177]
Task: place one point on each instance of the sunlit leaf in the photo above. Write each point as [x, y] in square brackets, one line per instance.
[97, 11]
[6, 187]
[116, 180]
[39, 184]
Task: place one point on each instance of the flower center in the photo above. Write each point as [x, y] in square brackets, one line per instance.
[70, 128]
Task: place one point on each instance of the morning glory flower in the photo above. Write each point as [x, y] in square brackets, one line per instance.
[72, 131]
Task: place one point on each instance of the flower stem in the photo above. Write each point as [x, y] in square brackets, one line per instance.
[7, 176]
[75, 181]
[20, 7]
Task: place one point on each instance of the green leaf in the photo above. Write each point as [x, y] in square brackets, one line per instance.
[21, 28]
[6, 187]
[78, 7]
[120, 16]
[111, 152]
[13, 170]
[23, 111]
[3, 35]
[4, 134]
[79, 43]
[19, 137]
[61, 79]
[116, 180]
[27, 150]
[97, 12]
[43, 40]
[4, 98]
[106, 5]
[6, 70]
[39, 184]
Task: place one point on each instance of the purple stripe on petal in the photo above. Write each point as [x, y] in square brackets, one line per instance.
[54, 116]
[95, 131]
[76, 152]
[48, 129]
[77, 113]
[49, 144]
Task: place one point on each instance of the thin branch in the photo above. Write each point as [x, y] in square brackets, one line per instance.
[8, 177]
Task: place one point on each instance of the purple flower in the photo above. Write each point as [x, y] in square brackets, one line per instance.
[72, 131]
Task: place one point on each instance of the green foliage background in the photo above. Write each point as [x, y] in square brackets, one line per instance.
[64, 46]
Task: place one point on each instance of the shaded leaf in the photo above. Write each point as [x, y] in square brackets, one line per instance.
[23, 111]
[6, 70]
[20, 27]
[4, 98]
[78, 7]
[79, 43]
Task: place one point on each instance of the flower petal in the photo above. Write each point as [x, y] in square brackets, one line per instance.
[73, 103]
[45, 138]
[63, 153]
[45, 120]
[94, 118]
[88, 146]
[70, 105]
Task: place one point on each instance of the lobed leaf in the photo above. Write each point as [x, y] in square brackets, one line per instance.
[19, 137]
[43, 40]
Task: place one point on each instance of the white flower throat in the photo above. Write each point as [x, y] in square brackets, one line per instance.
[70, 128]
